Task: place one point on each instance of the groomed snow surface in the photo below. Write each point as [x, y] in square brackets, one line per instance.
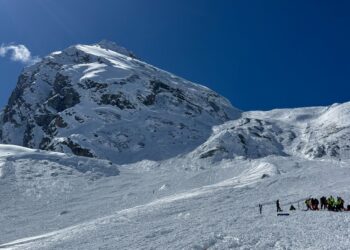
[49, 203]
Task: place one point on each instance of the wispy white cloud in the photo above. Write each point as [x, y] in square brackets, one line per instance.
[18, 53]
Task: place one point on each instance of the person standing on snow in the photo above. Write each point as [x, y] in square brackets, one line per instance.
[308, 204]
[339, 206]
[315, 204]
[330, 202]
[323, 202]
[278, 206]
[260, 208]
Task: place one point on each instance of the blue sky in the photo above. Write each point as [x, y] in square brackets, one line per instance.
[259, 54]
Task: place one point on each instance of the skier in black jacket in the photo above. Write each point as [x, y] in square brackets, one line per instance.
[278, 206]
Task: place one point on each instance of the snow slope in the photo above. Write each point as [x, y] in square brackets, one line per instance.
[316, 132]
[157, 207]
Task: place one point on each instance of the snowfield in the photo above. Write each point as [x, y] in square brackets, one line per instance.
[162, 206]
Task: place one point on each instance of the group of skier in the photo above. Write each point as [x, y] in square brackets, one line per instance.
[329, 203]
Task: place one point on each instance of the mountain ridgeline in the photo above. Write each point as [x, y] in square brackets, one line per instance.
[101, 101]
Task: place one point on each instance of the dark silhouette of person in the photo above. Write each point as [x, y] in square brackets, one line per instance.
[323, 202]
[260, 208]
[278, 206]
[315, 203]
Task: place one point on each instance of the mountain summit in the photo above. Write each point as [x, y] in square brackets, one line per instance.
[100, 101]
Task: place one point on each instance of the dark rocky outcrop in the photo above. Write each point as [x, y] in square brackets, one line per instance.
[118, 100]
[77, 149]
[64, 95]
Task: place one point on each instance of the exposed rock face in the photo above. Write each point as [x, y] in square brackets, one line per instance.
[100, 101]
[118, 100]
[64, 96]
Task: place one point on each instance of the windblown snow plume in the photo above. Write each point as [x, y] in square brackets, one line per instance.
[18, 53]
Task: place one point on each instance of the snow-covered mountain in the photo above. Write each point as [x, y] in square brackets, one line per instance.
[194, 167]
[100, 101]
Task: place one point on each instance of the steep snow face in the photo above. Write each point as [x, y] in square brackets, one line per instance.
[245, 137]
[317, 132]
[99, 101]
[329, 134]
